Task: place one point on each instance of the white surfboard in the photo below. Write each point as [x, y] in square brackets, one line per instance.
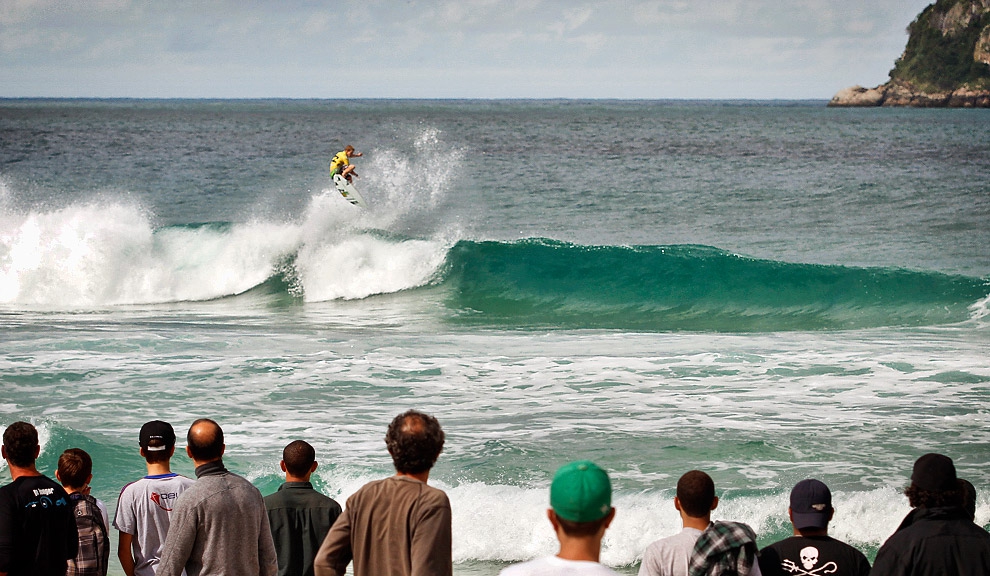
[348, 191]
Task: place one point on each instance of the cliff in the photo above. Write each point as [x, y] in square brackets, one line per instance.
[946, 62]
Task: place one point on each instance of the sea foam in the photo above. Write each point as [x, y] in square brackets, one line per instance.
[110, 254]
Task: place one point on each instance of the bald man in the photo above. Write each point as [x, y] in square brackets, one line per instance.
[219, 524]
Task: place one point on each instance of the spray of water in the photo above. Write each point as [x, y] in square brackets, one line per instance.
[107, 252]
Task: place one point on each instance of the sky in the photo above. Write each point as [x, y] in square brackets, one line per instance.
[626, 49]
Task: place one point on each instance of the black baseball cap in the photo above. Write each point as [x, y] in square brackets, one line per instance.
[811, 504]
[156, 436]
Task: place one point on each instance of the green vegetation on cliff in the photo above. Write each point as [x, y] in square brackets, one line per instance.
[940, 51]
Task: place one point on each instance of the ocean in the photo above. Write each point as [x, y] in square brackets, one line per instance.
[766, 291]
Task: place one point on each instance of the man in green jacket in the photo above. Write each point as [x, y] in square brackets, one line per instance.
[300, 516]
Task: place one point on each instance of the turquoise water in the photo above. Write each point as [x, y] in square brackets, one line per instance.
[765, 291]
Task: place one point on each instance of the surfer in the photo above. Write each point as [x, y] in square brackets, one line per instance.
[341, 163]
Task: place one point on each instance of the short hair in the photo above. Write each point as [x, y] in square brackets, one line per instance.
[298, 457]
[348, 148]
[210, 446]
[581, 529]
[74, 467]
[696, 493]
[414, 440]
[20, 440]
[157, 456]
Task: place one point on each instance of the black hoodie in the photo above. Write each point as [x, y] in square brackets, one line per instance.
[935, 542]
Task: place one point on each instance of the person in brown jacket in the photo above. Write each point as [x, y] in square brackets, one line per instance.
[398, 526]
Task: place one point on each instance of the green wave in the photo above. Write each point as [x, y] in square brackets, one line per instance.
[546, 283]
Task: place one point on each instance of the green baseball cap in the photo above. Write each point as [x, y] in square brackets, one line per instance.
[581, 492]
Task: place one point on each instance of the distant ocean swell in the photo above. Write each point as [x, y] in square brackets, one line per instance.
[97, 256]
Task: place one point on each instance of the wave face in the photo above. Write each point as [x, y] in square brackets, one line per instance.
[544, 283]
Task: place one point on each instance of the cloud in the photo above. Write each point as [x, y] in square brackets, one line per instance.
[447, 48]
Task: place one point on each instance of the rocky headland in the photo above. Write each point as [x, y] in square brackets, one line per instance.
[946, 63]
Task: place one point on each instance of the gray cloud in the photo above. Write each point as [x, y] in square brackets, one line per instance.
[445, 48]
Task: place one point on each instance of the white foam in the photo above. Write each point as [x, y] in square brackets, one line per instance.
[359, 266]
[980, 310]
[107, 253]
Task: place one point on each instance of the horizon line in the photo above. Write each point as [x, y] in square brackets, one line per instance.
[398, 99]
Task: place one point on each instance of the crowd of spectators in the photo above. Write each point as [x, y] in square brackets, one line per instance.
[219, 523]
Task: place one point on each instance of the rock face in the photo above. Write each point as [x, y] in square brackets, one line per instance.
[898, 93]
[946, 62]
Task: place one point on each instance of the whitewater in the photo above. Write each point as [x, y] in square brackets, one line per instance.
[764, 291]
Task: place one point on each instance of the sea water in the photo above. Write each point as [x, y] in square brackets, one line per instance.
[767, 291]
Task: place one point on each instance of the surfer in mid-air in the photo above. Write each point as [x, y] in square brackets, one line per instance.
[341, 171]
[341, 163]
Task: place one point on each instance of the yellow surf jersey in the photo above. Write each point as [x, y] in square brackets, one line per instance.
[340, 159]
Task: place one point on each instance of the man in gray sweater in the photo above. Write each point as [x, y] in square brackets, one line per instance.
[219, 524]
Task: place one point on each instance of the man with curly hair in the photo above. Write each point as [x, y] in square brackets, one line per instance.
[398, 526]
[937, 537]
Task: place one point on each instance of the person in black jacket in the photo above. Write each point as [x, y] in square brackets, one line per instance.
[38, 532]
[811, 550]
[937, 537]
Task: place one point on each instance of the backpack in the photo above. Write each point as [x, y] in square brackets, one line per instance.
[94, 544]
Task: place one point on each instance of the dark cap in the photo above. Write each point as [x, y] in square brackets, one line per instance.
[811, 504]
[935, 473]
[156, 436]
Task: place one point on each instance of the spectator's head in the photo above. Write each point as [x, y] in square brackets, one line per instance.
[934, 483]
[204, 441]
[298, 459]
[811, 505]
[581, 498]
[696, 494]
[157, 441]
[75, 468]
[968, 498]
[20, 444]
[415, 441]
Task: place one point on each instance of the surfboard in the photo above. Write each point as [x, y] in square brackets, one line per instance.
[348, 191]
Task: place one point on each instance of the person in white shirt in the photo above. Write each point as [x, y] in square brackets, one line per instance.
[144, 508]
[695, 501]
[580, 512]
